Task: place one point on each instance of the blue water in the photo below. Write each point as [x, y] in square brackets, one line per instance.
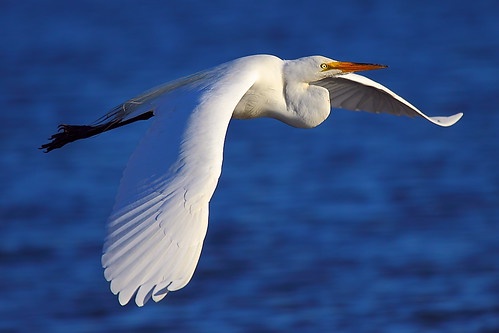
[368, 223]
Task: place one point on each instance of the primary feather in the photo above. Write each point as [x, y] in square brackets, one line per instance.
[159, 221]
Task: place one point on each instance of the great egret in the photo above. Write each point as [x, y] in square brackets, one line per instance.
[159, 221]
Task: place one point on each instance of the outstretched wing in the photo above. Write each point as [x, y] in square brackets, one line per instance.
[159, 221]
[358, 93]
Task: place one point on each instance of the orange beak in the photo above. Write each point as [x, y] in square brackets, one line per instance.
[348, 67]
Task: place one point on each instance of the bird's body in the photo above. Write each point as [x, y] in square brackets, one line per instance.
[159, 222]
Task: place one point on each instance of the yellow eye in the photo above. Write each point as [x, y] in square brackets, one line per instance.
[324, 66]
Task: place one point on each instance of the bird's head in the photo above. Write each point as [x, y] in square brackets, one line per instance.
[314, 68]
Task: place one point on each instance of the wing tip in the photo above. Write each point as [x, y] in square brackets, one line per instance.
[141, 300]
[446, 121]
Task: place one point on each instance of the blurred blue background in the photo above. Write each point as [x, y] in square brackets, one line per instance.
[368, 223]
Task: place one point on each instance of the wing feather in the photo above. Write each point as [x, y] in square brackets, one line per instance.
[358, 93]
[159, 221]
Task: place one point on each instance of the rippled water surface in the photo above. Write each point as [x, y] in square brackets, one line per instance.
[368, 223]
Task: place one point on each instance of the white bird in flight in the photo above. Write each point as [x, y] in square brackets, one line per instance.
[159, 221]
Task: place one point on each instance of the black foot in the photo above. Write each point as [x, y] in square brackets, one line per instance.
[67, 134]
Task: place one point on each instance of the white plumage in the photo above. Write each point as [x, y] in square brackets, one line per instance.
[159, 222]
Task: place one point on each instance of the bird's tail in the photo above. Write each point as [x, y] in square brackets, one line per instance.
[121, 114]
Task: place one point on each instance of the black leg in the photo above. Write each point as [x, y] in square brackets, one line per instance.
[70, 133]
